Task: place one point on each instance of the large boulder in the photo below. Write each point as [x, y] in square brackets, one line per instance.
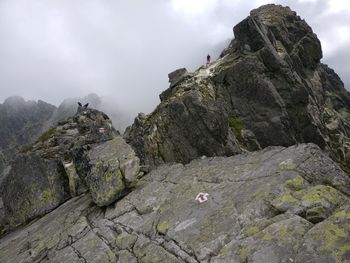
[267, 88]
[33, 187]
[261, 207]
[114, 169]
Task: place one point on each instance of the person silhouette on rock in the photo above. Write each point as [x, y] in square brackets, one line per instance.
[208, 59]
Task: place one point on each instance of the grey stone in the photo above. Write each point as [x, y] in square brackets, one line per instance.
[160, 220]
[114, 168]
[33, 187]
[176, 76]
[54, 168]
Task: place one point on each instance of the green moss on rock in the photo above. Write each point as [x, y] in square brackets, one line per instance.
[47, 135]
[295, 184]
[287, 165]
[320, 193]
[267, 236]
[107, 187]
[244, 253]
[333, 238]
[285, 201]
[236, 126]
[251, 231]
[163, 227]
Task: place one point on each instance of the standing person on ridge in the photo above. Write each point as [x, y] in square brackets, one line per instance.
[208, 59]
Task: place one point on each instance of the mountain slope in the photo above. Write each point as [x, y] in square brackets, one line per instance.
[82, 153]
[21, 123]
[277, 204]
[267, 88]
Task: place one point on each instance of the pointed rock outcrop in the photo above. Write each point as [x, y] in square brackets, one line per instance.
[267, 88]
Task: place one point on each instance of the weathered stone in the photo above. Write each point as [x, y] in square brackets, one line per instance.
[176, 75]
[76, 184]
[175, 78]
[54, 168]
[33, 187]
[114, 168]
[160, 220]
[329, 240]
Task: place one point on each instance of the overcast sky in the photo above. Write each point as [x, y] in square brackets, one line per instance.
[123, 50]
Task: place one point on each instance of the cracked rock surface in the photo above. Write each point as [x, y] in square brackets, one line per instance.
[275, 205]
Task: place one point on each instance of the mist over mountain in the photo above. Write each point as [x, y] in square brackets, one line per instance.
[68, 108]
[123, 50]
[245, 159]
[23, 121]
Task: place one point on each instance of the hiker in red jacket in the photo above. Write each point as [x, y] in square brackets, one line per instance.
[208, 59]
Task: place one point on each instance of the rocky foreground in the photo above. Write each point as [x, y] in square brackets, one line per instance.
[275, 205]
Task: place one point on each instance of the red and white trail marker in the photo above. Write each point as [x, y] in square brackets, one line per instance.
[101, 130]
[202, 197]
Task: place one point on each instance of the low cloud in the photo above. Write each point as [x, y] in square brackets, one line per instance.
[123, 50]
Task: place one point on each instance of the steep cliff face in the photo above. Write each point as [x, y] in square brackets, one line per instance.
[267, 88]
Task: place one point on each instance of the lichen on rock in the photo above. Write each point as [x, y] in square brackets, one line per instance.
[81, 153]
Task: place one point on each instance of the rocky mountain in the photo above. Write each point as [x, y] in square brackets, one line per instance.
[79, 193]
[21, 122]
[267, 88]
[68, 108]
[68, 160]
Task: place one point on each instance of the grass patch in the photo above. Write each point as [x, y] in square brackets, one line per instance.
[47, 135]
[236, 126]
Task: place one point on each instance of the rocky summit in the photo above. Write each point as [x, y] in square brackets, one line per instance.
[244, 160]
[267, 88]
